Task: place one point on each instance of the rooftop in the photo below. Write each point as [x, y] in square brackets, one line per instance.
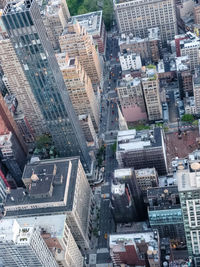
[188, 172]
[118, 189]
[191, 41]
[145, 172]
[17, 7]
[52, 224]
[90, 21]
[118, 242]
[50, 186]
[130, 140]
[128, 81]
[163, 198]
[153, 34]
[122, 173]
[182, 63]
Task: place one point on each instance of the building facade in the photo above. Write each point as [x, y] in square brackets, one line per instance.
[37, 58]
[142, 149]
[197, 14]
[146, 178]
[148, 48]
[151, 90]
[187, 176]
[79, 87]
[75, 41]
[55, 16]
[165, 213]
[131, 99]
[130, 61]
[58, 186]
[57, 236]
[23, 246]
[94, 25]
[136, 17]
[196, 91]
[20, 87]
[139, 249]
[190, 47]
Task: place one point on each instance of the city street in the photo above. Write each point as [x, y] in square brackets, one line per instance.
[109, 127]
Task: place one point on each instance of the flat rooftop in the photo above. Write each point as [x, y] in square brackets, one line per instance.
[121, 173]
[52, 224]
[118, 189]
[90, 21]
[133, 238]
[128, 81]
[50, 186]
[131, 140]
[163, 198]
[145, 172]
[17, 7]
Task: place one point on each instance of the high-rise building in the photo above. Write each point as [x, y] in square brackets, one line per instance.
[190, 47]
[146, 178]
[56, 234]
[188, 180]
[79, 87]
[20, 87]
[123, 207]
[77, 42]
[88, 129]
[23, 246]
[150, 84]
[4, 188]
[130, 61]
[12, 156]
[142, 149]
[55, 16]
[94, 25]
[58, 186]
[197, 14]
[131, 99]
[126, 194]
[148, 48]
[135, 249]
[196, 90]
[165, 214]
[37, 58]
[136, 17]
[7, 123]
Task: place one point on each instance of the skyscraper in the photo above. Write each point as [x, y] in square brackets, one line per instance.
[77, 42]
[57, 186]
[188, 179]
[56, 234]
[26, 30]
[79, 86]
[150, 84]
[22, 246]
[137, 16]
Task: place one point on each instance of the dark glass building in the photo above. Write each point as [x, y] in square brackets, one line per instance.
[26, 30]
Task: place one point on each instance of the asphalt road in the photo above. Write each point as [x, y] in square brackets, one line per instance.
[173, 111]
[109, 127]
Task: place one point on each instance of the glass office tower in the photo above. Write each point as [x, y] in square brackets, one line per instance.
[26, 30]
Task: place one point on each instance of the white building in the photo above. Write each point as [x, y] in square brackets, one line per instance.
[138, 16]
[23, 246]
[130, 61]
[57, 236]
[190, 47]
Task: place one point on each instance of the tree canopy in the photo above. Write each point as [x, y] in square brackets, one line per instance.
[187, 118]
[78, 7]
